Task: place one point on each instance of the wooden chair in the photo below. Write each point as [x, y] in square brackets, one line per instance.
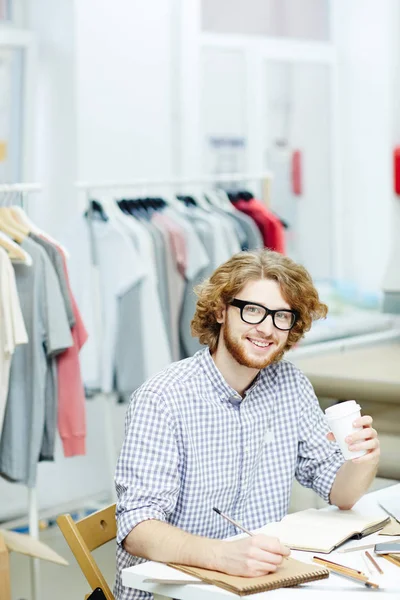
[86, 535]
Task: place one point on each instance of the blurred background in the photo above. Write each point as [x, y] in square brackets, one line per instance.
[94, 91]
[300, 99]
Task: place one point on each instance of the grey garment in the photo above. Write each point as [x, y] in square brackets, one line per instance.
[189, 344]
[254, 239]
[161, 268]
[231, 230]
[50, 412]
[240, 232]
[176, 289]
[49, 334]
[130, 370]
[50, 424]
[57, 262]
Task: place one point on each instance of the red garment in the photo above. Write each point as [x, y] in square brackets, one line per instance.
[271, 228]
[71, 393]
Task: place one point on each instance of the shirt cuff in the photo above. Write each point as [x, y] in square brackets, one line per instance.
[74, 446]
[129, 519]
[323, 483]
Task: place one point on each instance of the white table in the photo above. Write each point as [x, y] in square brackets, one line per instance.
[330, 588]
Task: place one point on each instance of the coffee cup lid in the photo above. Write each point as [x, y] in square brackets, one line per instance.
[342, 409]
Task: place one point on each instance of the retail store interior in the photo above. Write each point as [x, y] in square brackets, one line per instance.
[277, 124]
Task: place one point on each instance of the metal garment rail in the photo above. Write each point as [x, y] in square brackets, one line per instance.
[33, 512]
[90, 188]
[147, 183]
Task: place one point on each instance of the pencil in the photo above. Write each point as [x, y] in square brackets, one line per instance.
[235, 523]
[356, 579]
[371, 558]
[329, 563]
[356, 576]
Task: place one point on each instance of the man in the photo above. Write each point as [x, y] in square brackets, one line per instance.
[231, 427]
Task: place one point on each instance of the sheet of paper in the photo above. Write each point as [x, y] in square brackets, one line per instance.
[392, 528]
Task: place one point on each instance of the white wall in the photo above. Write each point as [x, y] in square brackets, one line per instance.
[368, 43]
[54, 135]
[123, 67]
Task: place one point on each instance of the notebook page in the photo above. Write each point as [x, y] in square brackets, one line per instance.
[319, 530]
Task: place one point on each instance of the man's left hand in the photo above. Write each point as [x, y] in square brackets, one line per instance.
[365, 439]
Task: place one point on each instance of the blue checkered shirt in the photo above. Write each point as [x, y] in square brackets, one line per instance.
[192, 442]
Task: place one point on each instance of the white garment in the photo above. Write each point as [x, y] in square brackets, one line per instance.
[12, 326]
[119, 268]
[222, 250]
[156, 348]
[82, 280]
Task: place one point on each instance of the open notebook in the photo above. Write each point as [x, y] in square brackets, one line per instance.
[322, 531]
[291, 572]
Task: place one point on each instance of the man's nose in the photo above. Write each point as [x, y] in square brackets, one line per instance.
[267, 326]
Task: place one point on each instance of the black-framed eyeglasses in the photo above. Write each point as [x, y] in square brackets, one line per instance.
[254, 314]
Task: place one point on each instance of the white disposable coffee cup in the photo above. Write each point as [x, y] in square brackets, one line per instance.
[340, 418]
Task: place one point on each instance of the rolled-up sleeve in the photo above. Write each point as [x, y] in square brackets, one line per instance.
[318, 459]
[147, 474]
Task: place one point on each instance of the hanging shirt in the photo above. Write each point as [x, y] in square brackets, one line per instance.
[52, 386]
[160, 258]
[254, 240]
[175, 262]
[120, 270]
[49, 334]
[155, 348]
[270, 227]
[57, 262]
[71, 394]
[83, 281]
[12, 326]
[189, 344]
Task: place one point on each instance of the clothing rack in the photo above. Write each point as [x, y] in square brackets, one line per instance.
[33, 513]
[90, 188]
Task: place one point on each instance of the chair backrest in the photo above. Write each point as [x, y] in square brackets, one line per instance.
[87, 535]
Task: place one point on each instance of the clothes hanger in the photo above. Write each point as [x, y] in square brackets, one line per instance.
[201, 202]
[15, 253]
[97, 208]
[172, 201]
[7, 227]
[20, 215]
[212, 198]
[226, 204]
[8, 224]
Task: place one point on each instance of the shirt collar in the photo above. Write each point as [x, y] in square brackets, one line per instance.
[224, 390]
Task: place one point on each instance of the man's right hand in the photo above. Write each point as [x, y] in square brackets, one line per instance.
[252, 556]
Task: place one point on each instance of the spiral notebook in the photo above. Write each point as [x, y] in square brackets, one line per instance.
[292, 572]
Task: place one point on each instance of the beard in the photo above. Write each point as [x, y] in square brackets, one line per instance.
[236, 347]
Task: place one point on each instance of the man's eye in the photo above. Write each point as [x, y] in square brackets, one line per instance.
[284, 316]
[253, 309]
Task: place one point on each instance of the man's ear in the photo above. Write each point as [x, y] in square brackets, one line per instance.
[221, 315]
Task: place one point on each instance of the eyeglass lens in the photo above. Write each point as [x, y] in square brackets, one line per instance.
[282, 319]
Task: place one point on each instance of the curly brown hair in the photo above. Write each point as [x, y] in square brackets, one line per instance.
[215, 293]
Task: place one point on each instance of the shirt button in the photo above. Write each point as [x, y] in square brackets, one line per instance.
[247, 450]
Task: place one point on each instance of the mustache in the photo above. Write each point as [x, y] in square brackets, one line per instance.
[261, 338]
